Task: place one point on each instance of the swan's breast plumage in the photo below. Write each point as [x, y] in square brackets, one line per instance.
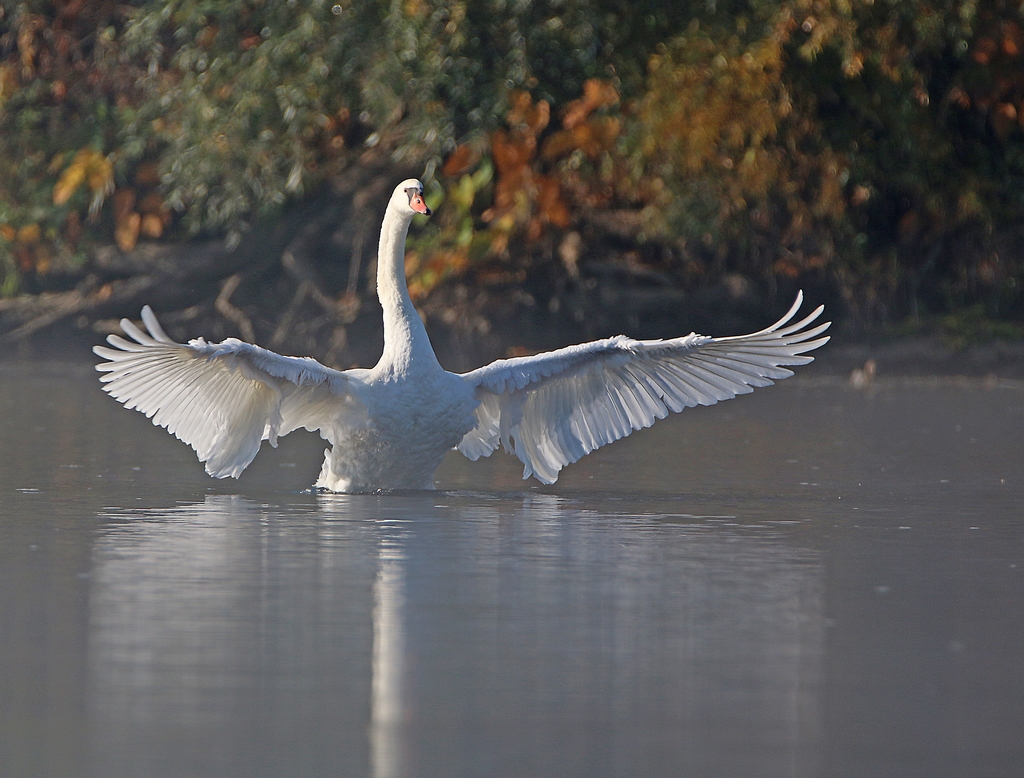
[412, 422]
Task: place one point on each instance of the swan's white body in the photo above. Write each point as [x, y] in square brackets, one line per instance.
[390, 426]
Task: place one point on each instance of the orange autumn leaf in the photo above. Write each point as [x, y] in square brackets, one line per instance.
[126, 232]
[596, 94]
[513, 154]
[152, 226]
[512, 151]
[534, 117]
[29, 234]
[550, 205]
[459, 161]
[592, 138]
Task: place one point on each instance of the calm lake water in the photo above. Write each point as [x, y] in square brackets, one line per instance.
[809, 581]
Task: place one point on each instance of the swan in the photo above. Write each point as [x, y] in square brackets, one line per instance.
[390, 426]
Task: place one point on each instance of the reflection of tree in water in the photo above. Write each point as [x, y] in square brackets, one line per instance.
[465, 634]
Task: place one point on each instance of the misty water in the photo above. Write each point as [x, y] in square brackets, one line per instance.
[814, 580]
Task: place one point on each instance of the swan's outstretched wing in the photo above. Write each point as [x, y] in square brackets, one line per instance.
[551, 409]
[222, 399]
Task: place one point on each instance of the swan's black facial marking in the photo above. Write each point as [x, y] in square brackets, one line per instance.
[416, 201]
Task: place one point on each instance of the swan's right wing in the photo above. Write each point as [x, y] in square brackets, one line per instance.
[222, 399]
[551, 409]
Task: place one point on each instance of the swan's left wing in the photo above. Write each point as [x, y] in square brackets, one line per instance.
[223, 399]
[553, 408]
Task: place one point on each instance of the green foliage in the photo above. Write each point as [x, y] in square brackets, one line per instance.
[60, 79]
[253, 102]
[860, 137]
[248, 103]
[729, 153]
[453, 238]
[973, 325]
[853, 137]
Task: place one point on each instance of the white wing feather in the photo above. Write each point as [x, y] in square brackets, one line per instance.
[553, 408]
[222, 399]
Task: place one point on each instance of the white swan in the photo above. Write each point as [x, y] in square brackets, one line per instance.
[389, 427]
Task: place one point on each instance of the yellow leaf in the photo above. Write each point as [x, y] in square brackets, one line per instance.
[89, 167]
[68, 182]
[8, 82]
[29, 234]
[100, 174]
[415, 8]
[127, 231]
[27, 47]
[152, 226]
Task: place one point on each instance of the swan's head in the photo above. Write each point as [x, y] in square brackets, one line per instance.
[408, 199]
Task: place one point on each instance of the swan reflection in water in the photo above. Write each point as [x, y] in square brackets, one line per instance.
[387, 713]
[449, 633]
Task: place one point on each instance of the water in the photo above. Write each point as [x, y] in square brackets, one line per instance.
[809, 581]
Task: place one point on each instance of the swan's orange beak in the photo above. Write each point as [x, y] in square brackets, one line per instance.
[419, 204]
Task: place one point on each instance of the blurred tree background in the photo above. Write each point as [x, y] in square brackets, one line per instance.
[872, 150]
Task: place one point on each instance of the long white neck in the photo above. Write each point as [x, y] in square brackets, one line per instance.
[405, 338]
